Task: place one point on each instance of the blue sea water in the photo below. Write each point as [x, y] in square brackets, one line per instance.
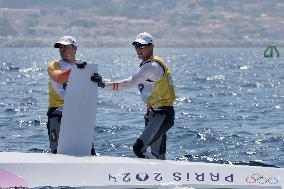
[229, 106]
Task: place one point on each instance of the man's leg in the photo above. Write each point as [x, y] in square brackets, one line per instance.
[53, 125]
[151, 133]
[154, 135]
[158, 148]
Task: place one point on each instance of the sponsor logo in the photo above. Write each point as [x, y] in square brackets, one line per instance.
[261, 179]
[140, 88]
[64, 86]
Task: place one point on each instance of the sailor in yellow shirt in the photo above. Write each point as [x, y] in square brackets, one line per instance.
[157, 91]
[59, 71]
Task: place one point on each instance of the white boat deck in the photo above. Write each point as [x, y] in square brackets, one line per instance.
[42, 169]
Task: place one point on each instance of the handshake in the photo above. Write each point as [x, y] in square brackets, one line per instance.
[96, 78]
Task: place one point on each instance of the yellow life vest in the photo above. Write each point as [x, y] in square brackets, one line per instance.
[54, 99]
[163, 93]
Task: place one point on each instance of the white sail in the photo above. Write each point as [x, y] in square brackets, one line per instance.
[79, 113]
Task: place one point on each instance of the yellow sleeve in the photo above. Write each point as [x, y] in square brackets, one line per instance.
[52, 66]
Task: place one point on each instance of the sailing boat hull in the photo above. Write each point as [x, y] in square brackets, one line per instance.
[42, 169]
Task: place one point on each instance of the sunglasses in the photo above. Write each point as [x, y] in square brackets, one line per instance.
[141, 46]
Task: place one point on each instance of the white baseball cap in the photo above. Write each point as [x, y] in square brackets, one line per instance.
[66, 40]
[144, 38]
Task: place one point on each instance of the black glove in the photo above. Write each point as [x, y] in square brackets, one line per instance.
[80, 64]
[97, 78]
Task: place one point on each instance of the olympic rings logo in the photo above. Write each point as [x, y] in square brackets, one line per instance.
[260, 179]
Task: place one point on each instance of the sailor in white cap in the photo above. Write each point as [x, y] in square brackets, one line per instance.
[156, 88]
[59, 71]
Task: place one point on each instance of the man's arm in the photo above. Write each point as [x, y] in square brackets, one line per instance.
[151, 71]
[58, 75]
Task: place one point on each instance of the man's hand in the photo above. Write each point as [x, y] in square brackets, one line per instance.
[97, 78]
[80, 64]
